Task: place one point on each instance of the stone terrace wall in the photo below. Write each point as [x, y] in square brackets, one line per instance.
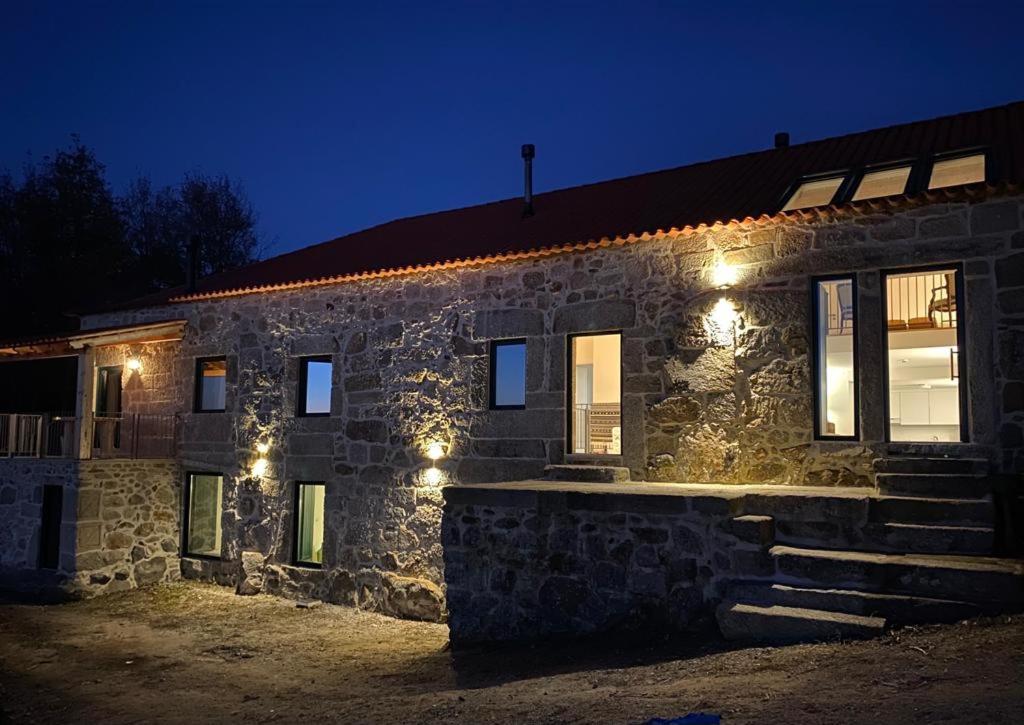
[701, 402]
[128, 525]
[21, 498]
[523, 565]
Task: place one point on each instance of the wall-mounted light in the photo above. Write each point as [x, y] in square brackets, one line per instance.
[433, 476]
[263, 448]
[435, 450]
[724, 274]
[134, 363]
[260, 465]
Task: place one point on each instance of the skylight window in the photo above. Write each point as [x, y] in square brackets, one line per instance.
[885, 182]
[813, 193]
[953, 172]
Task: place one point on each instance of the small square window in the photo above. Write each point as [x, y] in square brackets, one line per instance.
[205, 497]
[884, 182]
[315, 385]
[508, 374]
[954, 172]
[309, 524]
[814, 193]
[211, 379]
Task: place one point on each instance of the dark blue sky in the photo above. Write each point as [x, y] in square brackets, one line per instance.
[338, 116]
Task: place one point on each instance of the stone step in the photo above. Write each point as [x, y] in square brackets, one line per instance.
[928, 539]
[941, 485]
[921, 510]
[775, 623]
[586, 473]
[894, 608]
[969, 578]
[925, 464]
[897, 449]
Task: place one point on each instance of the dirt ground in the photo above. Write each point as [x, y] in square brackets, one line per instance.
[197, 653]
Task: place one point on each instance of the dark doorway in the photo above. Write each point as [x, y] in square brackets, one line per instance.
[49, 530]
[107, 421]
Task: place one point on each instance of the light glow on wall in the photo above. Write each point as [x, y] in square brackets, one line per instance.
[724, 274]
[435, 450]
[259, 467]
[134, 363]
[433, 476]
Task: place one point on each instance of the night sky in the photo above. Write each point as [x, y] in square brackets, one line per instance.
[337, 117]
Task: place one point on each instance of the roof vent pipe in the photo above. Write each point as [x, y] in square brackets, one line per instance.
[192, 264]
[781, 140]
[528, 154]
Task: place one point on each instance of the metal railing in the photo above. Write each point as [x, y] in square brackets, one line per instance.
[134, 435]
[37, 435]
[596, 428]
[921, 301]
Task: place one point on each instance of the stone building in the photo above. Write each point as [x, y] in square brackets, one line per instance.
[639, 397]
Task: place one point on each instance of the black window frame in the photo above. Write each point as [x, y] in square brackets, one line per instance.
[296, 561]
[984, 151]
[493, 372]
[300, 403]
[816, 362]
[858, 173]
[842, 174]
[570, 384]
[197, 391]
[186, 516]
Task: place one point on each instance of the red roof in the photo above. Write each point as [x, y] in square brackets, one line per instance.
[734, 188]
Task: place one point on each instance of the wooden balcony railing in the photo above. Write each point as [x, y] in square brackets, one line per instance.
[130, 435]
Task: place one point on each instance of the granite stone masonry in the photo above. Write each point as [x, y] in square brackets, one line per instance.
[703, 400]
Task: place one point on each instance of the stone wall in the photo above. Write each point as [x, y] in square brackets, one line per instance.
[523, 565]
[128, 527]
[21, 498]
[703, 401]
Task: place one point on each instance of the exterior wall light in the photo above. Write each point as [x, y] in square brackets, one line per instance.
[724, 275]
[134, 363]
[435, 451]
[262, 448]
[433, 476]
[259, 467]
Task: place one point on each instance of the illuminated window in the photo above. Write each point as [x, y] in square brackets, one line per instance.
[508, 374]
[315, 385]
[835, 316]
[203, 509]
[595, 369]
[211, 378]
[309, 524]
[885, 182]
[953, 172]
[814, 193]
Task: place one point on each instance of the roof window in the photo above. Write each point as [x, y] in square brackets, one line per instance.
[954, 172]
[814, 193]
[884, 182]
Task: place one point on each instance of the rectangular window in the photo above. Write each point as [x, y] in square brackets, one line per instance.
[885, 182]
[315, 385]
[814, 193]
[953, 172]
[309, 524]
[203, 509]
[595, 377]
[211, 384]
[49, 530]
[508, 374]
[835, 357]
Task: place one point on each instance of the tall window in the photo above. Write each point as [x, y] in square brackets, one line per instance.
[835, 361]
[211, 384]
[595, 369]
[309, 524]
[315, 385]
[204, 506]
[508, 374]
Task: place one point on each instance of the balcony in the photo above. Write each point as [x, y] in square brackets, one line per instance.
[127, 435]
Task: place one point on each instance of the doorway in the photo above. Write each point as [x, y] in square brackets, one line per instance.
[107, 417]
[595, 410]
[925, 371]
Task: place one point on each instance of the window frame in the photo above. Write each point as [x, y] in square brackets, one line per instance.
[816, 363]
[296, 561]
[303, 387]
[492, 373]
[843, 175]
[858, 174]
[186, 517]
[570, 392]
[983, 151]
[197, 392]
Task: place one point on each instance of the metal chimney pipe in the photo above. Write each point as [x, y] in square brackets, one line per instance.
[528, 154]
[781, 140]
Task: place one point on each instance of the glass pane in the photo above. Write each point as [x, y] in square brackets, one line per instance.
[596, 394]
[510, 373]
[837, 380]
[212, 384]
[318, 386]
[883, 183]
[813, 193]
[953, 172]
[924, 349]
[310, 546]
[204, 514]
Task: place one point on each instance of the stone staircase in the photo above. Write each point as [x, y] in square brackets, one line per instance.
[921, 552]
